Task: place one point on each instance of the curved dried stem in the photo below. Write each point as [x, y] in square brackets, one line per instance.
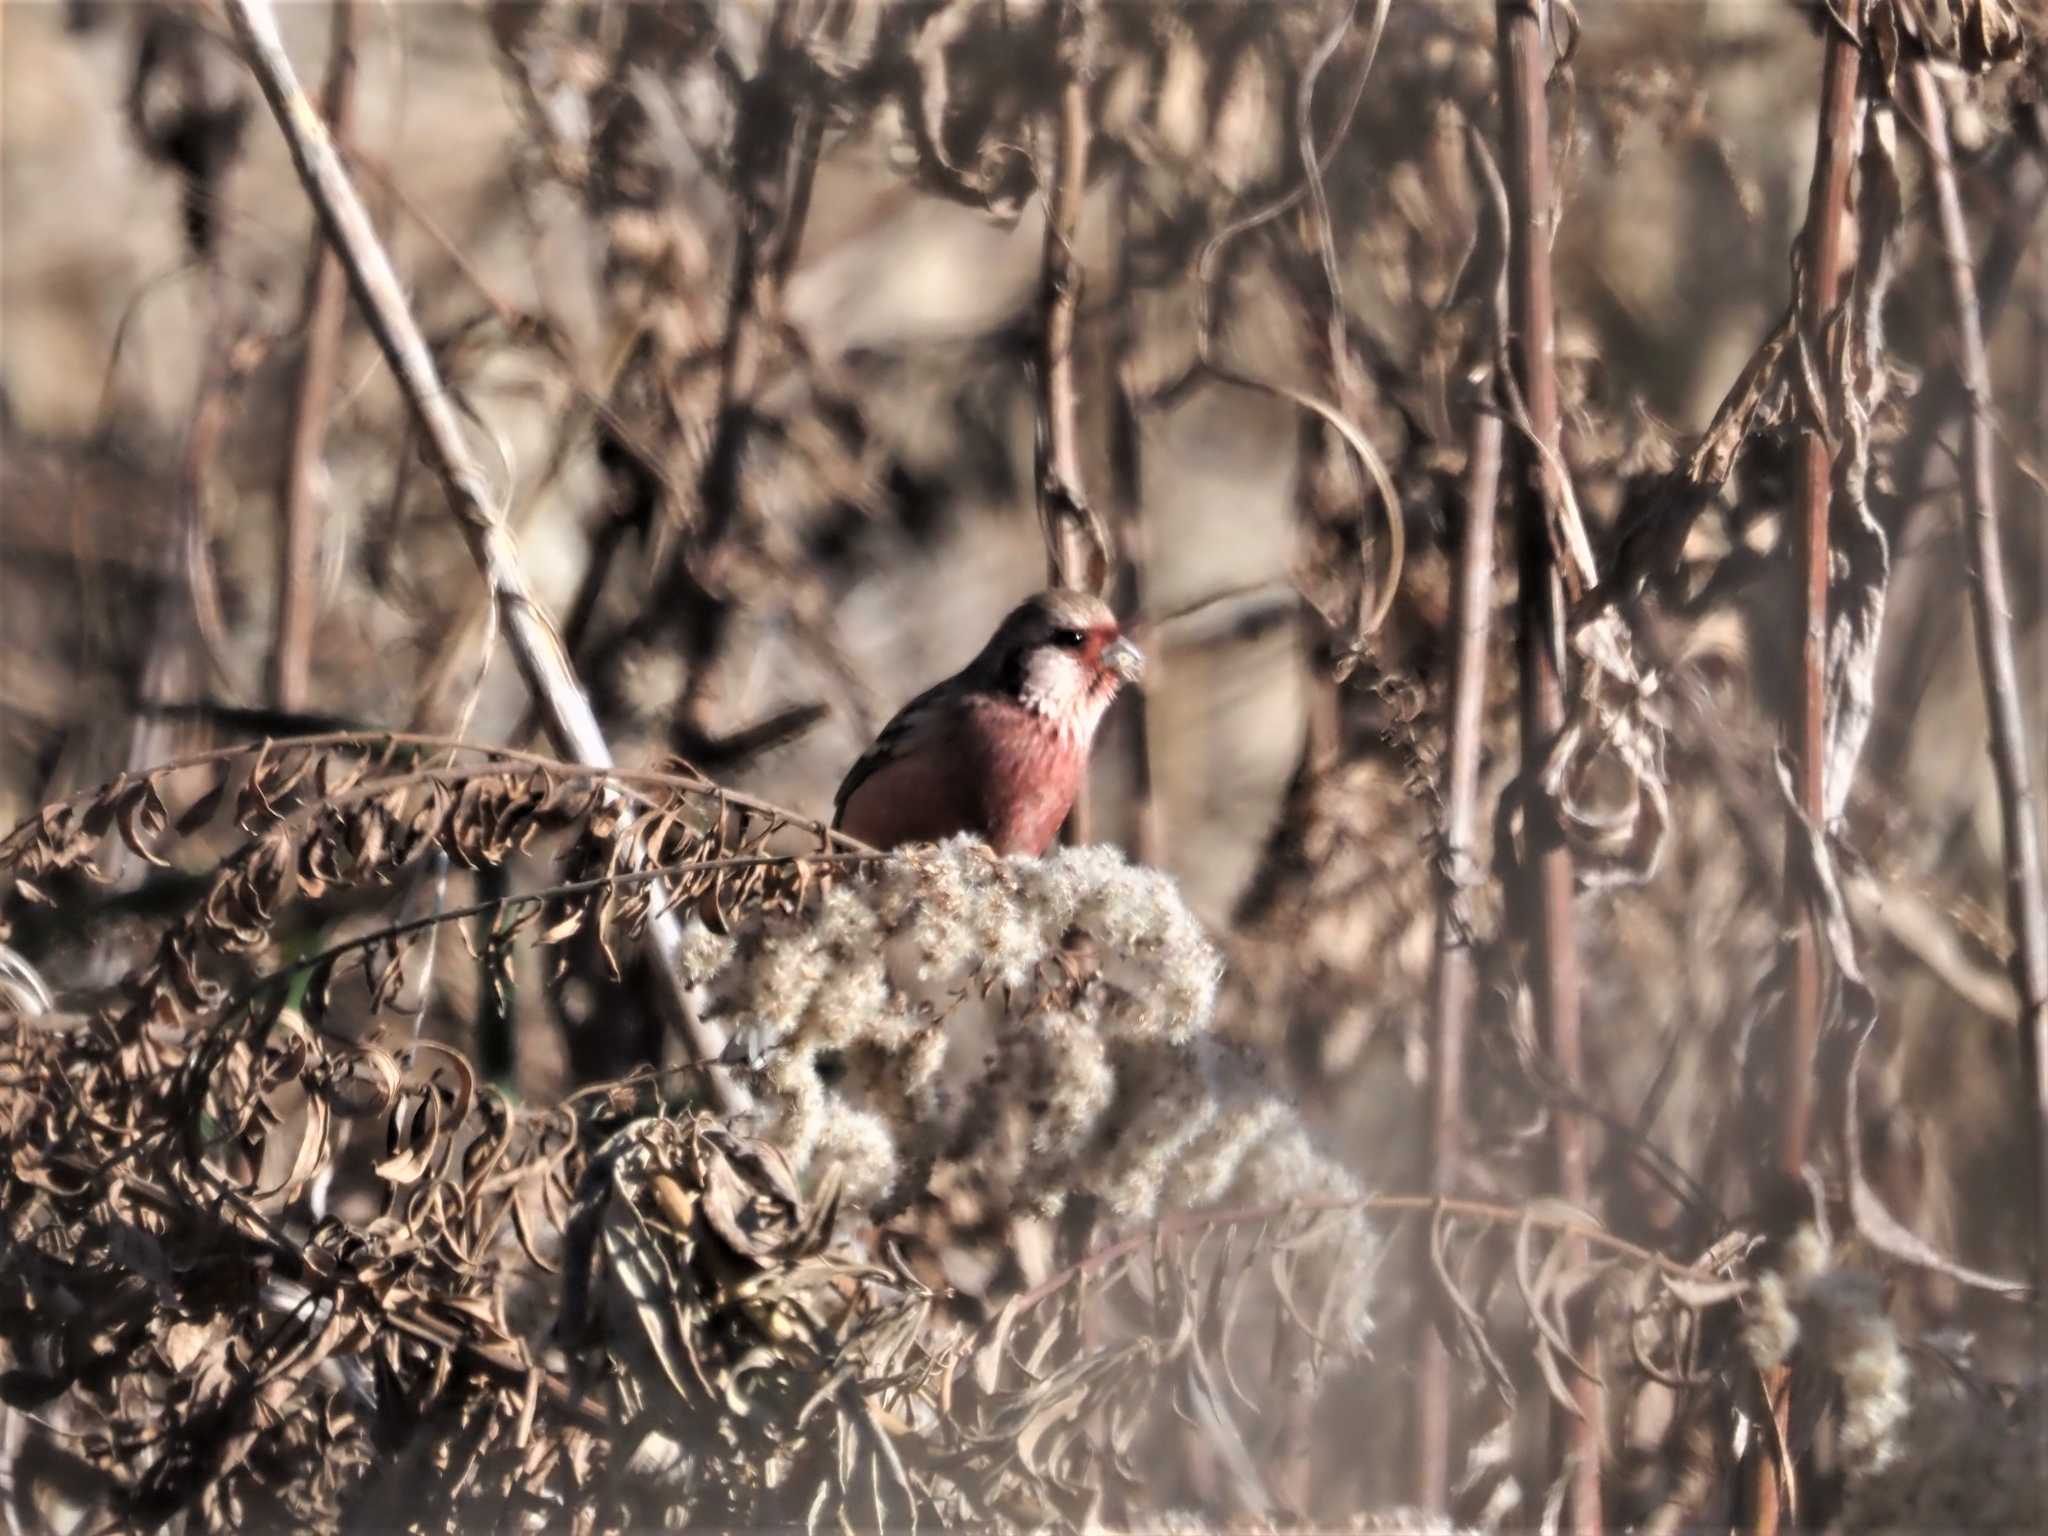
[1314, 162]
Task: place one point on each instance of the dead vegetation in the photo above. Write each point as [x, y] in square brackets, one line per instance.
[1593, 1078]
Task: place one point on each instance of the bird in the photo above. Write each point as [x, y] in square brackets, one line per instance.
[999, 749]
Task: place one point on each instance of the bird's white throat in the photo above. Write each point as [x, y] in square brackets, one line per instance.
[1066, 693]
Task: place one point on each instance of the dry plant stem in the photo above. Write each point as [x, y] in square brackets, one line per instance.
[1148, 815]
[188, 639]
[626, 780]
[1554, 962]
[298, 513]
[1799, 1029]
[1826, 215]
[1062, 499]
[2025, 904]
[571, 724]
[1454, 984]
[2024, 193]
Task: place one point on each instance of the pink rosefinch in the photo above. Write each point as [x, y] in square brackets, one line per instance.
[998, 749]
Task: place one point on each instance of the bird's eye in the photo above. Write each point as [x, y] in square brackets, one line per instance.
[1072, 639]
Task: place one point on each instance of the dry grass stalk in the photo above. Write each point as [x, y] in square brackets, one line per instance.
[1077, 547]
[1126, 440]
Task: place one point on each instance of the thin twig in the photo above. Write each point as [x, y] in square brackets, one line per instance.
[2022, 195]
[1316, 165]
[533, 642]
[1554, 962]
[297, 498]
[183, 634]
[1455, 983]
[2026, 906]
[781, 133]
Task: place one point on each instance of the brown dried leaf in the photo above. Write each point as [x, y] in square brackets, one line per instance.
[207, 806]
[142, 819]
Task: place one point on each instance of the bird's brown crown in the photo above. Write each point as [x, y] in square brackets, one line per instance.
[1041, 617]
[1044, 617]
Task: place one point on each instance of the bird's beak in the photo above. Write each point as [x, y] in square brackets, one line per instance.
[1125, 660]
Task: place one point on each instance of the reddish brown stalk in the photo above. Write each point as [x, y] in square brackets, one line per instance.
[1148, 815]
[1826, 217]
[326, 295]
[1547, 897]
[2025, 906]
[1799, 1031]
[1455, 982]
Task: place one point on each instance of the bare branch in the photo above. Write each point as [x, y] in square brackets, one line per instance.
[1524, 52]
[1455, 984]
[534, 644]
[2026, 906]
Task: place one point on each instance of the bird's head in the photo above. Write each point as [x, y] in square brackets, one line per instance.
[1061, 655]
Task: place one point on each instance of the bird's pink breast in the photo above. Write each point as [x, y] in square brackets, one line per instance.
[993, 768]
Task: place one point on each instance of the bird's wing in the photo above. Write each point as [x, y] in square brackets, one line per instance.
[924, 713]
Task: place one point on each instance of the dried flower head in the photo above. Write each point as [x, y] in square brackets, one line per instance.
[1083, 989]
